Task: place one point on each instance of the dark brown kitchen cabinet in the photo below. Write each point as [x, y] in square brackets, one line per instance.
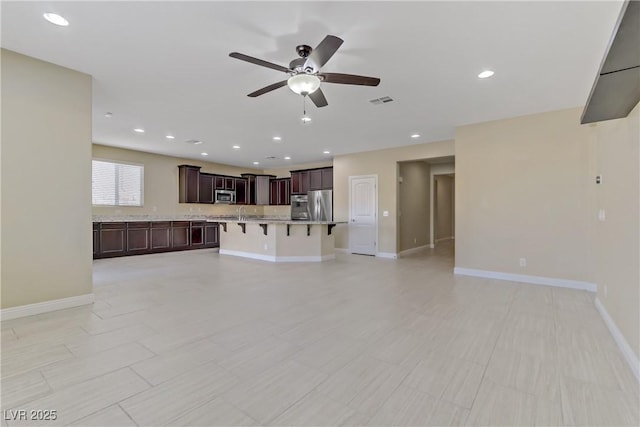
[230, 183]
[218, 182]
[180, 232]
[241, 191]
[113, 238]
[188, 183]
[138, 237]
[327, 179]
[160, 236]
[197, 234]
[96, 239]
[315, 179]
[258, 188]
[205, 190]
[212, 235]
[299, 182]
[280, 191]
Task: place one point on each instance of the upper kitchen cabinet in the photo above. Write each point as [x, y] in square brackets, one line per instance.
[311, 179]
[206, 188]
[258, 188]
[241, 191]
[280, 190]
[299, 182]
[189, 183]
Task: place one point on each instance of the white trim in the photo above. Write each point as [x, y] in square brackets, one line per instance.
[431, 245]
[625, 348]
[413, 250]
[272, 258]
[46, 306]
[391, 255]
[443, 239]
[536, 280]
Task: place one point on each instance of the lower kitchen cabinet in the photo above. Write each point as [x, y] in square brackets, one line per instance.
[212, 235]
[160, 236]
[112, 239]
[180, 234]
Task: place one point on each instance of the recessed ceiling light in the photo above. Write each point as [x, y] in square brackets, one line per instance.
[305, 120]
[256, 163]
[236, 147]
[204, 154]
[287, 158]
[139, 130]
[56, 19]
[277, 138]
[108, 115]
[415, 135]
[326, 152]
[171, 137]
[486, 74]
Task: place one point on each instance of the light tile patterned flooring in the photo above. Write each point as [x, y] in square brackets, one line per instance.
[195, 338]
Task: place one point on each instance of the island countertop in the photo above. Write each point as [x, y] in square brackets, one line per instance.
[276, 221]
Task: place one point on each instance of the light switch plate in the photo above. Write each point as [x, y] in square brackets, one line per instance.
[385, 213]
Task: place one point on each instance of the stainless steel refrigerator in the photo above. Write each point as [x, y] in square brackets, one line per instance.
[320, 205]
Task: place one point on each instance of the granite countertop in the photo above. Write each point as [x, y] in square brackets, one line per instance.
[209, 218]
[276, 221]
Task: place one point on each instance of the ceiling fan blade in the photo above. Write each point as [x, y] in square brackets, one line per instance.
[318, 98]
[267, 89]
[349, 79]
[257, 61]
[323, 52]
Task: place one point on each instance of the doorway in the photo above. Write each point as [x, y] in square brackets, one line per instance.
[444, 207]
[363, 218]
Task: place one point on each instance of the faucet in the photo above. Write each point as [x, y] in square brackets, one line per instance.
[242, 211]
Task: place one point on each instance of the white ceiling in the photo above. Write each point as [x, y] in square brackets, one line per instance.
[164, 66]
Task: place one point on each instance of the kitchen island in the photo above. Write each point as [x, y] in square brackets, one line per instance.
[278, 240]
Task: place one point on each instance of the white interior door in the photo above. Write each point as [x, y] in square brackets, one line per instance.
[363, 224]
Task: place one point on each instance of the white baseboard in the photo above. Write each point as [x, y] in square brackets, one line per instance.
[624, 346]
[444, 238]
[45, 306]
[391, 255]
[413, 250]
[272, 258]
[536, 280]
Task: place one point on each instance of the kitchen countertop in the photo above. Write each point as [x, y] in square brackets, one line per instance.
[208, 218]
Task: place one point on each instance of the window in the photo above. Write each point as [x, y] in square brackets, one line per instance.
[116, 184]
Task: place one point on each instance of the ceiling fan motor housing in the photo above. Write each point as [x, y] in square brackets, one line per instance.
[303, 50]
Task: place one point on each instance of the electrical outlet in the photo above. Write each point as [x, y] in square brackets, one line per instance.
[155, 208]
[601, 215]
[523, 262]
[266, 247]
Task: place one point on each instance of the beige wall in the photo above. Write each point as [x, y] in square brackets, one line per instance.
[617, 239]
[384, 164]
[522, 190]
[444, 207]
[161, 184]
[413, 200]
[46, 181]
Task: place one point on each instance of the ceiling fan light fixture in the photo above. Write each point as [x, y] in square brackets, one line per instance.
[305, 120]
[303, 83]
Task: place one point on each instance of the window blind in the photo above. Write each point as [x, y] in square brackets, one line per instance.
[117, 184]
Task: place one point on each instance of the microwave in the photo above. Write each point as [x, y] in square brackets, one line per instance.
[225, 196]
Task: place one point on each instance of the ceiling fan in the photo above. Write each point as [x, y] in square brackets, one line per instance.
[305, 76]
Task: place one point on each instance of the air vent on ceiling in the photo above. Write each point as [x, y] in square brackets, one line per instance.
[193, 141]
[382, 100]
[271, 158]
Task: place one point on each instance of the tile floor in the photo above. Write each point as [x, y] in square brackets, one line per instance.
[195, 338]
